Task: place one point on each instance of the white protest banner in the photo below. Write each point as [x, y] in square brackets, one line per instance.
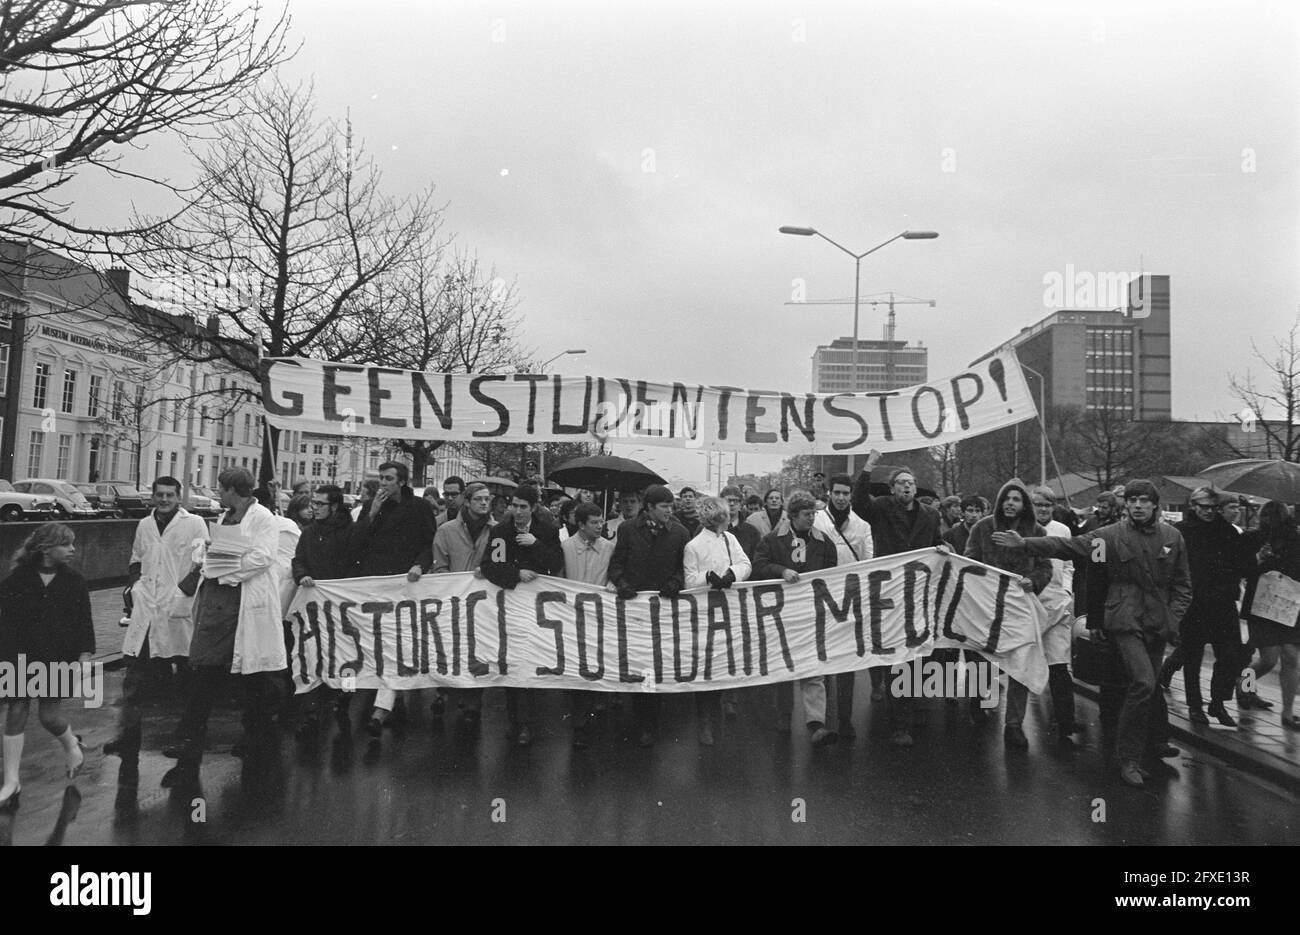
[1277, 598]
[460, 630]
[382, 402]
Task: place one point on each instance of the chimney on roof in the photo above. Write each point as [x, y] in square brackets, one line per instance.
[120, 279]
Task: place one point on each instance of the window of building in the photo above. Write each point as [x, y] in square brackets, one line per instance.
[172, 462]
[248, 428]
[36, 454]
[243, 462]
[133, 465]
[114, 461]
[254, 467]
[69, 391]
[42, 385]
[162, 415]
[119, 400]
[315, 469]
[203, 421]
[176, 416]
[302, 448]
[221, 431]
[64, 466]
[157, 463]
[92, 403]
[334, 451]
[230, 429]
[302, 469]
[317, 449]
[4, 367]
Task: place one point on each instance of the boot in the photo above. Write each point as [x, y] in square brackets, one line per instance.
[13, 750]
[1220, 713]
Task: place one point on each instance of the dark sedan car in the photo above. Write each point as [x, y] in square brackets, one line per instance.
[125, 499]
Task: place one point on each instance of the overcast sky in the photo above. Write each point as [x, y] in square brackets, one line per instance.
[630, 164]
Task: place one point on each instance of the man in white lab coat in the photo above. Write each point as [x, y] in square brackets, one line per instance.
[161, 616]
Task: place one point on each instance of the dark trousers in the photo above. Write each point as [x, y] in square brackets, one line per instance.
[844, 684]
[1061, 687]
[1227, 666]
[145, 677]
[1143, 721]
[261, 697]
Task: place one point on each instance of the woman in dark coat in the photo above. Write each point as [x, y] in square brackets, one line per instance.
[44, 620]
[1276, 547]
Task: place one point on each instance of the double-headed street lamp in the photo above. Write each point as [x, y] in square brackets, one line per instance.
[857, 280]
[541, 447]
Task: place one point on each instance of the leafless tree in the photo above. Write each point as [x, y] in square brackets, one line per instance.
[1273, 408]
[81, 81]
[289, 245]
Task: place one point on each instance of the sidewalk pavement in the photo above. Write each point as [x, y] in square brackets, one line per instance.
[1259, 744]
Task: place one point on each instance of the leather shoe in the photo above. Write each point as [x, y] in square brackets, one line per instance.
[1197, 716]
[1247, 701]
[1165, 751]
[1220, 714]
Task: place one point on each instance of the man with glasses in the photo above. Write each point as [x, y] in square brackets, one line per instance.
[1214, 555]
[324, 551]
[459, 545]
[453, 489]
[898, 524]
[521, 548]
[1148, 592]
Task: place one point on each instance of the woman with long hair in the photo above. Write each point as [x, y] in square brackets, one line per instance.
[44, 620]
[1275, 545]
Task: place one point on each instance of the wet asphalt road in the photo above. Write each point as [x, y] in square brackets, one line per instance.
[433, 784]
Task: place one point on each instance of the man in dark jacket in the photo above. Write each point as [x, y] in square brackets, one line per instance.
[1011, 511]
[898, 524]
[324, 551]
[1217, 560]
[393, 536]
[524, 546]
[1148, 592]
[972, 511]
[688, 513]
[786, 556]
[648, 557]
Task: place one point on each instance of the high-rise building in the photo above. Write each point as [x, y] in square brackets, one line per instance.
[832, 366]
[1116, 359]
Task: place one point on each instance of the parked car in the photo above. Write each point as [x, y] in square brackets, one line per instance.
[103, 509]
[69, 502]
[201, 502]
[15, 506]
[125, 499]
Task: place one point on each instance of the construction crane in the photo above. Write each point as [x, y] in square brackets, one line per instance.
[881, 298]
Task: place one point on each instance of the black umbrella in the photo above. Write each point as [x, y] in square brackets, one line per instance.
[600, 472]
[1257, 477]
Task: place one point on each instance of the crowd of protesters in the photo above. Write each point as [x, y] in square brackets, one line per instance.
[207, 605]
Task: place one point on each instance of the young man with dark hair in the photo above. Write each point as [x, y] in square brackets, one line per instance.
[648, 556]
[1148, 592]
[393, 536]
[586, 557]
[785, 556]
[163, 582]
[688, 513]
[521, 548]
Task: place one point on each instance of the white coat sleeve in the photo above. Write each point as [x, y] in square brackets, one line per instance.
[259, 558]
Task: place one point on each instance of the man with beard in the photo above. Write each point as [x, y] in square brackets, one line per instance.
[1148, 592]
[898, 524]
[1011, 511]
[851, 536]
[520, 549]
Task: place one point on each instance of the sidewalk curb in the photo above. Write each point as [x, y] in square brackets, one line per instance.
[1239, 755]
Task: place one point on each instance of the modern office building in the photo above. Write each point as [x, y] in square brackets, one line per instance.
[1114, 359]
[832, 366]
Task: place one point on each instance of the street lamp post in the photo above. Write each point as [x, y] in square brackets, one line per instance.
[857, 281]
[1042, 424]
[541, 447]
